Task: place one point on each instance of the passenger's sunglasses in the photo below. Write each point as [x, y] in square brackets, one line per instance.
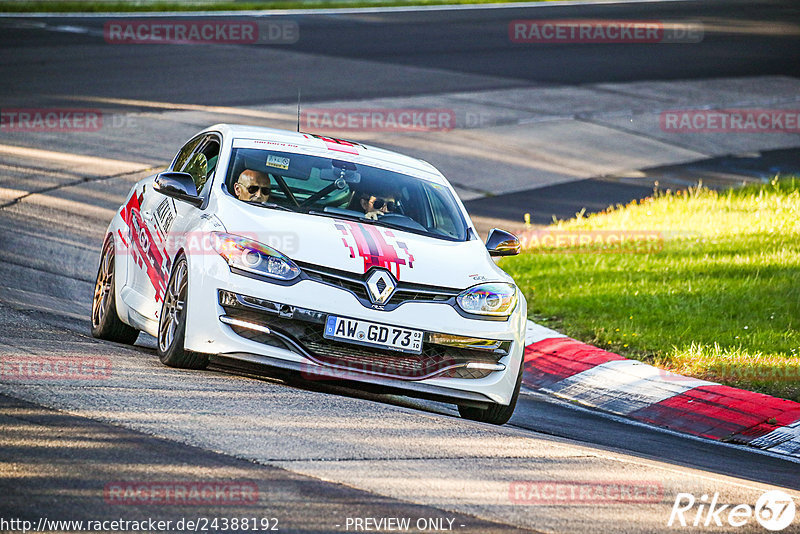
[253, 189]
[381, 202]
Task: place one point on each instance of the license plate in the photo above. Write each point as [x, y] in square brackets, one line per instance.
[373, 334]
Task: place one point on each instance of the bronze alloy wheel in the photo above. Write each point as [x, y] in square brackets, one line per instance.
[173, 312]
[172, 322]
[106, 324]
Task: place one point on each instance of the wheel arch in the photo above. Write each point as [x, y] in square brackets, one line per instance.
[121, 252]
[195, 265]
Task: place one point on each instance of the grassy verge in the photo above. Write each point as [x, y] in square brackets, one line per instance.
[115, 6]
[708, 284]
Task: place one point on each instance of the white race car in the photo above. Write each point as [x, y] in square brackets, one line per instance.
[318, 255]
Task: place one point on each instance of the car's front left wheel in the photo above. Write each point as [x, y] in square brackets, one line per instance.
[106, 324]
[172, 322]
[496, 414]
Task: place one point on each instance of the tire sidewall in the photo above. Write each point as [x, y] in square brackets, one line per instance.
[98, 330]
[175, 350]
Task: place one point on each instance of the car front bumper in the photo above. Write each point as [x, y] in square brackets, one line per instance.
[249, 319]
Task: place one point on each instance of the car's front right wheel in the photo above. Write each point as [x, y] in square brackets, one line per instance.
[172, 322]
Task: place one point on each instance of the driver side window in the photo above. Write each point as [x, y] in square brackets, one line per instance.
[199, 158]
[186, 151]
[198, 168]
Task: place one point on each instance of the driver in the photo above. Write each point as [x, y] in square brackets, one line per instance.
[252, 186]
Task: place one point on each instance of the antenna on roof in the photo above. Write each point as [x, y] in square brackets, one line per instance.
[298, 110]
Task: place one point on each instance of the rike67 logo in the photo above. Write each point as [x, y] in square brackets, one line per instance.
[774, 510]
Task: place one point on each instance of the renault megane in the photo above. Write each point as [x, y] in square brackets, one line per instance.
[317, 255]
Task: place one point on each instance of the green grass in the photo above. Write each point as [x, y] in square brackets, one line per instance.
[719, 300]
[116, 6]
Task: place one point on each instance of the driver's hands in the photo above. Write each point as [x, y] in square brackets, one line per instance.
[373, 215]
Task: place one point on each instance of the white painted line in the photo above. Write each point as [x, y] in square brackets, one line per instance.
[536, 332]
[70, 206]
[111, 166]
[344, 11]
[170, 106]
[71, 29]
[623, 386]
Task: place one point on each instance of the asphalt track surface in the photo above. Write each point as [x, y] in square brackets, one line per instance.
[431, 51]
[318, 452]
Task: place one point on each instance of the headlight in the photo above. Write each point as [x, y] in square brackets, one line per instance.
[254, 257]
[489, 299]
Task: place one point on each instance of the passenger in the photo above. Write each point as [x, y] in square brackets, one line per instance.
[373, 206]
[252, 186]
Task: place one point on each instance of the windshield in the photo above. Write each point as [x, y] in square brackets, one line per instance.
[333, 187]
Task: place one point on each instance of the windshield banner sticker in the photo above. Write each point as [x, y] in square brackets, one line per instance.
[337, 145]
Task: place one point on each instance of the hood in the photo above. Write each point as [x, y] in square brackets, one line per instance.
[356, 247]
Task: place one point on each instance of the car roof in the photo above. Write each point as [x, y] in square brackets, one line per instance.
[367, 154]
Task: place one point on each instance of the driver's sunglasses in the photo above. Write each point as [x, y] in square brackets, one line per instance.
[253, 189]
[381, 202]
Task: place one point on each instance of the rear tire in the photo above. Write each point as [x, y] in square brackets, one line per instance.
[106, 324]
[172, 322]
[496, 414]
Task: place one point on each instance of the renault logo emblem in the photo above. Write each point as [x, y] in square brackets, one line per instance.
[380, 286]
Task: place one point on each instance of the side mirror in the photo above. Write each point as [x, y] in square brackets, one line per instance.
[179, 185]
[502, 243]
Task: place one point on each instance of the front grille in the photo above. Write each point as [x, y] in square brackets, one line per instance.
[304, 328]
[355, 284]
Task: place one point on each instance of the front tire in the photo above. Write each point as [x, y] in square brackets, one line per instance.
[106, 324]
[172, 322]
[496, 414]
